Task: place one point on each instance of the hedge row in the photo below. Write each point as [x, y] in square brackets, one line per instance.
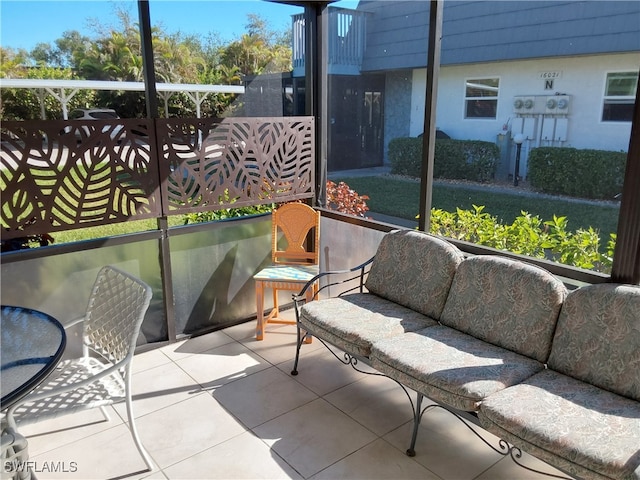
[595, 174]
[455, 159]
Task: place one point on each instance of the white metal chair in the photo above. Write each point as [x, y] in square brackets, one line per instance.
[102, 376]
[13, 454]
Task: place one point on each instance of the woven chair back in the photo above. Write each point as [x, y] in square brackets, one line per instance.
[295, 234]
[114, 314]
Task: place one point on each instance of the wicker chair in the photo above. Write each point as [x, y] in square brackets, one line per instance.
[102, 376]
[293, 264]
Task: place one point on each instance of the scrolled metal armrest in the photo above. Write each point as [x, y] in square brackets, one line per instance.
[300, 297]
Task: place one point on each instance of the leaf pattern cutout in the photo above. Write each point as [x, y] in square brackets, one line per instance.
[57, 174]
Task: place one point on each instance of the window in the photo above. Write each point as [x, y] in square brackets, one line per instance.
[481, 98]
[619, 96]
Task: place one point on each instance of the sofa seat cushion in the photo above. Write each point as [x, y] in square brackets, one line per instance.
[451, 367]
[591, 432]
[354, 322]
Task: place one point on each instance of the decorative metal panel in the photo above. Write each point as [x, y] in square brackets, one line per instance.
[60, 175]
[208, 164]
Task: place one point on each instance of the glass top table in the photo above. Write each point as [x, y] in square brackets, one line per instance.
[31, 346]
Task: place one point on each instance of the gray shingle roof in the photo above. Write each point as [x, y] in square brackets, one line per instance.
[489, 31]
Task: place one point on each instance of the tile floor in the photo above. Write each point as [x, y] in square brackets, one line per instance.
[224, 406]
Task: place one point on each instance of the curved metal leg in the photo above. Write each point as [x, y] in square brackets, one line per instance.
[417, 415]
[300, 340]
[132, 425]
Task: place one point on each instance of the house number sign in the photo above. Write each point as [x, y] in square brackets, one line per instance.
[548, 78]
[549, 75]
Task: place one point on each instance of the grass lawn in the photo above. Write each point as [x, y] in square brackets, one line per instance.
[400, 198]
[112, 230]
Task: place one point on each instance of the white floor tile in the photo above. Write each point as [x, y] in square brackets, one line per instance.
[376, 402]
[446, 447]
[314, 436]
[263, 396]
[221, 365]
[242, 331]
[186, 348]
[151, 359]
[56, 432]
[108, 454]
[278, 344]
[242, 457]
[157, 388]
[320, 371]
[378, 460]
[183, 429]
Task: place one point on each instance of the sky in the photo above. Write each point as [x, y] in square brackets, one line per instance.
[25, 23]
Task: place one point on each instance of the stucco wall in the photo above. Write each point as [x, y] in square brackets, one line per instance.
[397, 107]
[583, 78]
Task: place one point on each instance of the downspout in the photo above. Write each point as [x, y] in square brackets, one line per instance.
[431, 96]
[152, 113]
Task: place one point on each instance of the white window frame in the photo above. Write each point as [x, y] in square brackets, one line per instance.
[481, 98]
[617, 99]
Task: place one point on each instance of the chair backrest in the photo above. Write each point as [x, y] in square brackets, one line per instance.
[296, 222]
[114, 315]
[414, 269]
[598, 337]
[508, 303]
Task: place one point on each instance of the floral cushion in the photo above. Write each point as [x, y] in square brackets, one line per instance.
[577, 427]
[354, 322]
[508, 303]
[598, 338]
[449, 366]
[414, 269]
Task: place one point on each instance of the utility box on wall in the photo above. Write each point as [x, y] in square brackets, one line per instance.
[524, 105]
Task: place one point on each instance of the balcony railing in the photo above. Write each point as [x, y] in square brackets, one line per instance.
[346, 41]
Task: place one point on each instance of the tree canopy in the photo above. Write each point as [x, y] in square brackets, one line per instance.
[115, 54]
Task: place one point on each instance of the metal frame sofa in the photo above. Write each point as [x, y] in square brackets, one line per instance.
[496, 341]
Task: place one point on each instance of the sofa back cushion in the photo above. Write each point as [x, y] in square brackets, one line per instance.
[415, 270]
[505, 302]
[598, 338]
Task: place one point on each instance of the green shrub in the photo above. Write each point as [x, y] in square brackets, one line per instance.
[527, 235]
[226, 213]
[405, 156]
[454, 159]
[340, 197]
[595, 174]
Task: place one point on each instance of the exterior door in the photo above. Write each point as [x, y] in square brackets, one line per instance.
[356, 122]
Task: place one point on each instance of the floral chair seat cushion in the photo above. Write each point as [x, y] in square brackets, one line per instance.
[451, 367]
[592, 433]
[354, 322]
